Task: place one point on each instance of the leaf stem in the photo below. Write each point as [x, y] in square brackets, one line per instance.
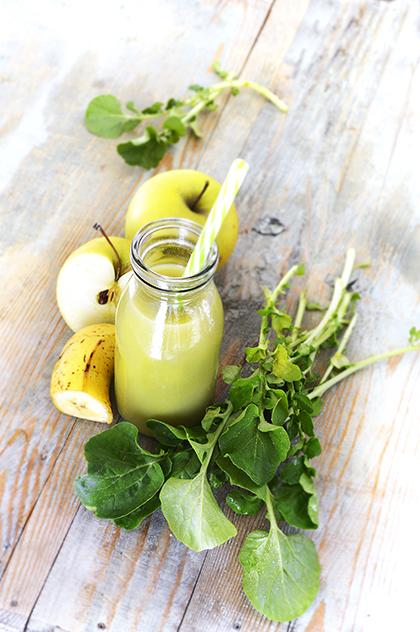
[321, 388]
[299, 315]
[341, 347]
[271, 300]
[339, 290]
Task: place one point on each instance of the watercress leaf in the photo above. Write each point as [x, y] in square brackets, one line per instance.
[185, 464]
[218, 70]
[283, 367]
[306, 424]
[175, 127]
[217, 477]
[317, 404]
[414, 335]
[313, 448]
[292, 503]
[105, 118]
[257, 453]
[307, 484]
[280, 573]
[242, 390]
[280, 321]
[165, 433]
[146, 151]
[296, 447]
[195, 87]
[255, 354]
[212, 413]
[281, 409]
[135, 518]
[130, 105]
[243, 503]
[155, 108]
[193, 514]
[173, 103]
[293, 470]
[303, 402]
[230, 372]
[237, 477]
[121, 475]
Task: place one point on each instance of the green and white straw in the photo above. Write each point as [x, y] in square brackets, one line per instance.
[229, 189]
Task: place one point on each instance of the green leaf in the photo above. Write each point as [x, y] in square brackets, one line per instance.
[280, 321]
[135, 518]
[280, 573]
[175, 127]
[193, 514]
[255, 354]
[185, 464]
[243, 503]
[242, 390]
[283, 367]
[303, 402]
[292, 470]
[292, 502]
[217, 477]
[217, 69]
[256, 453]
[237, 477]
[121, 475]
[313, 448]
[165, 433]
[306, 424]
[230, 372]
[414, 335]
[105, 118]
[146, 151]
[281, 409]
[155, 108]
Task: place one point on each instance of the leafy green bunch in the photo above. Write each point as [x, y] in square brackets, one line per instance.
[106, 117]
[257, 445]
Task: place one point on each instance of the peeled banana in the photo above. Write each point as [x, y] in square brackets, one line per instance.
[82, 376]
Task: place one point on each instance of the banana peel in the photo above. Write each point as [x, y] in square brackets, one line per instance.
[81, 378]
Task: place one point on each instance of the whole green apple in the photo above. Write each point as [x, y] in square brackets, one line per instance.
[181, 193]
[90, 282]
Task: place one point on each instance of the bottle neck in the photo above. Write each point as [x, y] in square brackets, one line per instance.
[159, 254]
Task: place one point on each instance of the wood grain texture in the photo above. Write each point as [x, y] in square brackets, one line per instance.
[337, 171]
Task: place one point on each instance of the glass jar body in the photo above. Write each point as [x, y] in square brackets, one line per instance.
[167, 350]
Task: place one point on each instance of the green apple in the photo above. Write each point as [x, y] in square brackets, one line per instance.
[90, 282]
[181, 193]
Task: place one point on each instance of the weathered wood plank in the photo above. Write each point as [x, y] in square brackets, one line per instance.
[335, 173]
[338, 176]
[48, 217]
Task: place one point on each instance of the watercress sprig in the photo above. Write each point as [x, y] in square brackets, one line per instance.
[258, 444]
[106, 117]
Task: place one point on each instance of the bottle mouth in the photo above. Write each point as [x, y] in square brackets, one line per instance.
[160, 252]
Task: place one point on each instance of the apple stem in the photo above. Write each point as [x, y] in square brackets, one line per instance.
[97, 226]
[200, 195]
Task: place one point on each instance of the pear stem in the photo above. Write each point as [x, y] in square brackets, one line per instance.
[97, 226]
[200, 195]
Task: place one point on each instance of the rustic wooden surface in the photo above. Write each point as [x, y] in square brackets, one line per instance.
[341, 169]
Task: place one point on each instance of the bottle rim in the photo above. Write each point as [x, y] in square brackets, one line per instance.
[146, 239]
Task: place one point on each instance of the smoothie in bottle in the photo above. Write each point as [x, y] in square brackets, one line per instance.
[168, 329]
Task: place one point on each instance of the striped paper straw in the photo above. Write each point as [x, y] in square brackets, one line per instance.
[229, 189]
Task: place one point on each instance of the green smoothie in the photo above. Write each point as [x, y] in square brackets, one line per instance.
[167, 350]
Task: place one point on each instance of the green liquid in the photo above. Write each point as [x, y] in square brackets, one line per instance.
[167, 352]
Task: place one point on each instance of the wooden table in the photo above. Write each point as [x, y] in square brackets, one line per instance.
[341, 169]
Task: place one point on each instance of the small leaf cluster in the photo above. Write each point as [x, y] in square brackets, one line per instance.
[107, 117]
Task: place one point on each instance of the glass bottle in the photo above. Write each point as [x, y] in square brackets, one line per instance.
[168, 329]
